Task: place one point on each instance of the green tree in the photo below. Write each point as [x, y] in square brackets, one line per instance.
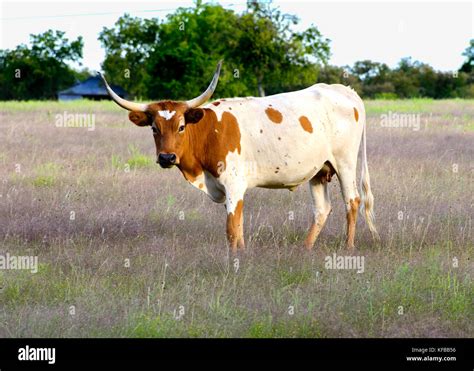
[175, 58]
[404, 79]
[273, 53]
[374, 78]
[127, 47]
[339, 75]
[466, 73]
[468, 65]
[39, 71]
[190, 43]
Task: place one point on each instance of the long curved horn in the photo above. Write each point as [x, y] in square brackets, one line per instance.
[131, 106]
[196, 102]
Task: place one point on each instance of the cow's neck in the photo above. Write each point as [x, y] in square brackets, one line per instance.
[195, 160]
[207, 144]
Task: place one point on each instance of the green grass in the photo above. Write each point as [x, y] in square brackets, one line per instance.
[135, 160]
[46, 174]
[291, 277]
[302, 327]
[417, 105]
[46, 287]
[214, 304]
[55, 106]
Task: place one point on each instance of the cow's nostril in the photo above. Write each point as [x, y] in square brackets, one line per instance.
[166, 159]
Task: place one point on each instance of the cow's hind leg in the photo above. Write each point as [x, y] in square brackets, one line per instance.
[347, 178]
[321, 206]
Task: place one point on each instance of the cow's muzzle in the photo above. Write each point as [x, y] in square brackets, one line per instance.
[166, 160]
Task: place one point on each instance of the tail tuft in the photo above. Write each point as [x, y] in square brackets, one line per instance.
[368, 207]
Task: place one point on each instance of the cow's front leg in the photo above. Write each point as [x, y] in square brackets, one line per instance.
[235, 218]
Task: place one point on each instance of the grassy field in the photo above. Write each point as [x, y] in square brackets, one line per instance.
[127, 249]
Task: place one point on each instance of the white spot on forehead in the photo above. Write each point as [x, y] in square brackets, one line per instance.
[167, 115]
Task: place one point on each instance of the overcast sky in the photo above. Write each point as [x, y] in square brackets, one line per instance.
[432, 32]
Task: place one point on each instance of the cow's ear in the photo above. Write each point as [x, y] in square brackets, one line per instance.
[139, 118]
[193, 115]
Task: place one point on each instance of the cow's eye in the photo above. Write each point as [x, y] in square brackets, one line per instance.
[181, 128]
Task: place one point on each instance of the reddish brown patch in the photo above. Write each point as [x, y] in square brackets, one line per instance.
[351, 221]
[306, 124]
[166, 105]
[235, 227]
[274, 115]
[356, 114]
[201, 185]
[207, 144]
[139, 118]
[315, 230]
[216, 103]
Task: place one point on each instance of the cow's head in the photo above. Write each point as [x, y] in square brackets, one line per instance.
[168, 120]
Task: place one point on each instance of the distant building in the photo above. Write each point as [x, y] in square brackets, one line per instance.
[92, 88]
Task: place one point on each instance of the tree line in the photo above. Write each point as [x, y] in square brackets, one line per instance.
[174, 59]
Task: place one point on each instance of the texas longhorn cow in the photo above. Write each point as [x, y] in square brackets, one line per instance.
[225, 147]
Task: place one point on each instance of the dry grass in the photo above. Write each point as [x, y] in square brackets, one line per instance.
[133, 216]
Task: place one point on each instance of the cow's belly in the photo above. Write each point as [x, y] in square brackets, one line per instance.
[285, 176]
[288, 165]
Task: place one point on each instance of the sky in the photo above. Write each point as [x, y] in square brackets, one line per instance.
[432, 32]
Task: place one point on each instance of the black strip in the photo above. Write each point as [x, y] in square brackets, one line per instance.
[159, 352]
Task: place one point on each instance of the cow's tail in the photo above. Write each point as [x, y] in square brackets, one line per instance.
[367, 196]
